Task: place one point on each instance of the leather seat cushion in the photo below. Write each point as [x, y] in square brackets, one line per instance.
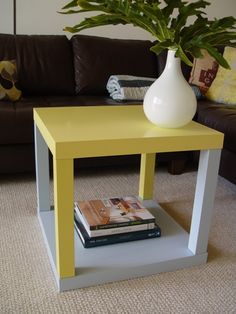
[219, 117]
[17, 117]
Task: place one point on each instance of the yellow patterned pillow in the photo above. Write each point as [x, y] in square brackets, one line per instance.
[8, 81]
[223, 88]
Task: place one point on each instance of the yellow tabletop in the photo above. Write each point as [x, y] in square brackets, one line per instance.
[73, 132]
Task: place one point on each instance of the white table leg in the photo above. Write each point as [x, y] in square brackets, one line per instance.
[204, 200]
[42, 171]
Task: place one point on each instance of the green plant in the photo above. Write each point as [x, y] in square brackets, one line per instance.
[166, 20]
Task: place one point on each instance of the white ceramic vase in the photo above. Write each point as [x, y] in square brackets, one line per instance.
[170, 101]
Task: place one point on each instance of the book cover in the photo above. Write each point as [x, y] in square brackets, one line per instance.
[114, 212]
[89, 242]
[109, 231]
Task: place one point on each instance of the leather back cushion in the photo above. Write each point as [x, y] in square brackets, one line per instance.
[45, 64]
[7, 47]
[96, 58]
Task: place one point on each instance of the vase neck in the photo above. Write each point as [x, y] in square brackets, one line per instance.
[173, 63]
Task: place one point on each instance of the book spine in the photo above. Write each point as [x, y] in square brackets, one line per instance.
[116, 225]
[120, 238]
[111, 231]
[125, 224]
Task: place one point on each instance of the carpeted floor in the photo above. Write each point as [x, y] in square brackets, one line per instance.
[26, 279]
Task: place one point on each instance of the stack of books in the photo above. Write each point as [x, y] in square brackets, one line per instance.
[113, 220]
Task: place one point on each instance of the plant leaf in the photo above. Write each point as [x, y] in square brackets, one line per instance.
[182, 55]
[71, 4]
[156, 17]
[216, 55]
[158, 47]
[99, 20]
[186, 11]
[171, 5]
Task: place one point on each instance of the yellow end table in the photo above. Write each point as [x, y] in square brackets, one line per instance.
[76, 132]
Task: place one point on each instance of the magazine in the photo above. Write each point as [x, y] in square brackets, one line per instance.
[113, 212]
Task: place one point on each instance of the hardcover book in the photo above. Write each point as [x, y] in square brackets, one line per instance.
[113, 213]
[89, 242]
[109, 231]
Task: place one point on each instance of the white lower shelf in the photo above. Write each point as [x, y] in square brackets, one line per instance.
[126, 260]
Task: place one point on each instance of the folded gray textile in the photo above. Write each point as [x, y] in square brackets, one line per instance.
[128, 87]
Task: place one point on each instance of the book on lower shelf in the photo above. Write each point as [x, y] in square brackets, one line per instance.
[89, 242]
[113, 216]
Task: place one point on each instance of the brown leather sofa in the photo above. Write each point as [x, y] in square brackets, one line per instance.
[56, 71]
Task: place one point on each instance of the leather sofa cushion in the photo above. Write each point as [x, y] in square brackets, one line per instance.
[16, 118]
[87, 100]
[96, 58]
[219, 117]
[45, 64]
[7, 122]
[7, 47]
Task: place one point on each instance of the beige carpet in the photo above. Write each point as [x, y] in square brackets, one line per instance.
[26, 279]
